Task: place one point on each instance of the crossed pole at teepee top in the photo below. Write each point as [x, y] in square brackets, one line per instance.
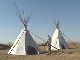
[23, 20]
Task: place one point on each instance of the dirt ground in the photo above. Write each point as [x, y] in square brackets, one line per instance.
[69, 54]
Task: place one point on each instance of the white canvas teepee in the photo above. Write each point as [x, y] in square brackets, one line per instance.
[58, 41]
[24, 44]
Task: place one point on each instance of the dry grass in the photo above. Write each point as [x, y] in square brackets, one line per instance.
[69, 54]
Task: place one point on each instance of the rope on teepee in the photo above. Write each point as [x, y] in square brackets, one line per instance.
[70, 40]
[42, 40]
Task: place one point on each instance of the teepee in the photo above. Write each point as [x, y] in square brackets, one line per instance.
[58, 41]
[24, 44]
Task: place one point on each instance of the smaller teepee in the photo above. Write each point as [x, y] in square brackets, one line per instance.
[58, 40]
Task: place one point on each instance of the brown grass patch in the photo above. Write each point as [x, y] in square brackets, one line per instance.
[68, 54]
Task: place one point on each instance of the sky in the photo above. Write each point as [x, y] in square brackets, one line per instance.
[41, 23]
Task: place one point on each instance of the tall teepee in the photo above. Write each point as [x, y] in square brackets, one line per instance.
[24, 44]
[58, 40]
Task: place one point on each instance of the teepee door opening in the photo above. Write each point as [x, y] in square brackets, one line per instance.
[62, 46]
[31, 50]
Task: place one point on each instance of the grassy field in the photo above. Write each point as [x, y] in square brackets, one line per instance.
[70, 54]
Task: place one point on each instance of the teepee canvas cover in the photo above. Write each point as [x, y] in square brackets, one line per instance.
[58, 40]
[24, 44]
